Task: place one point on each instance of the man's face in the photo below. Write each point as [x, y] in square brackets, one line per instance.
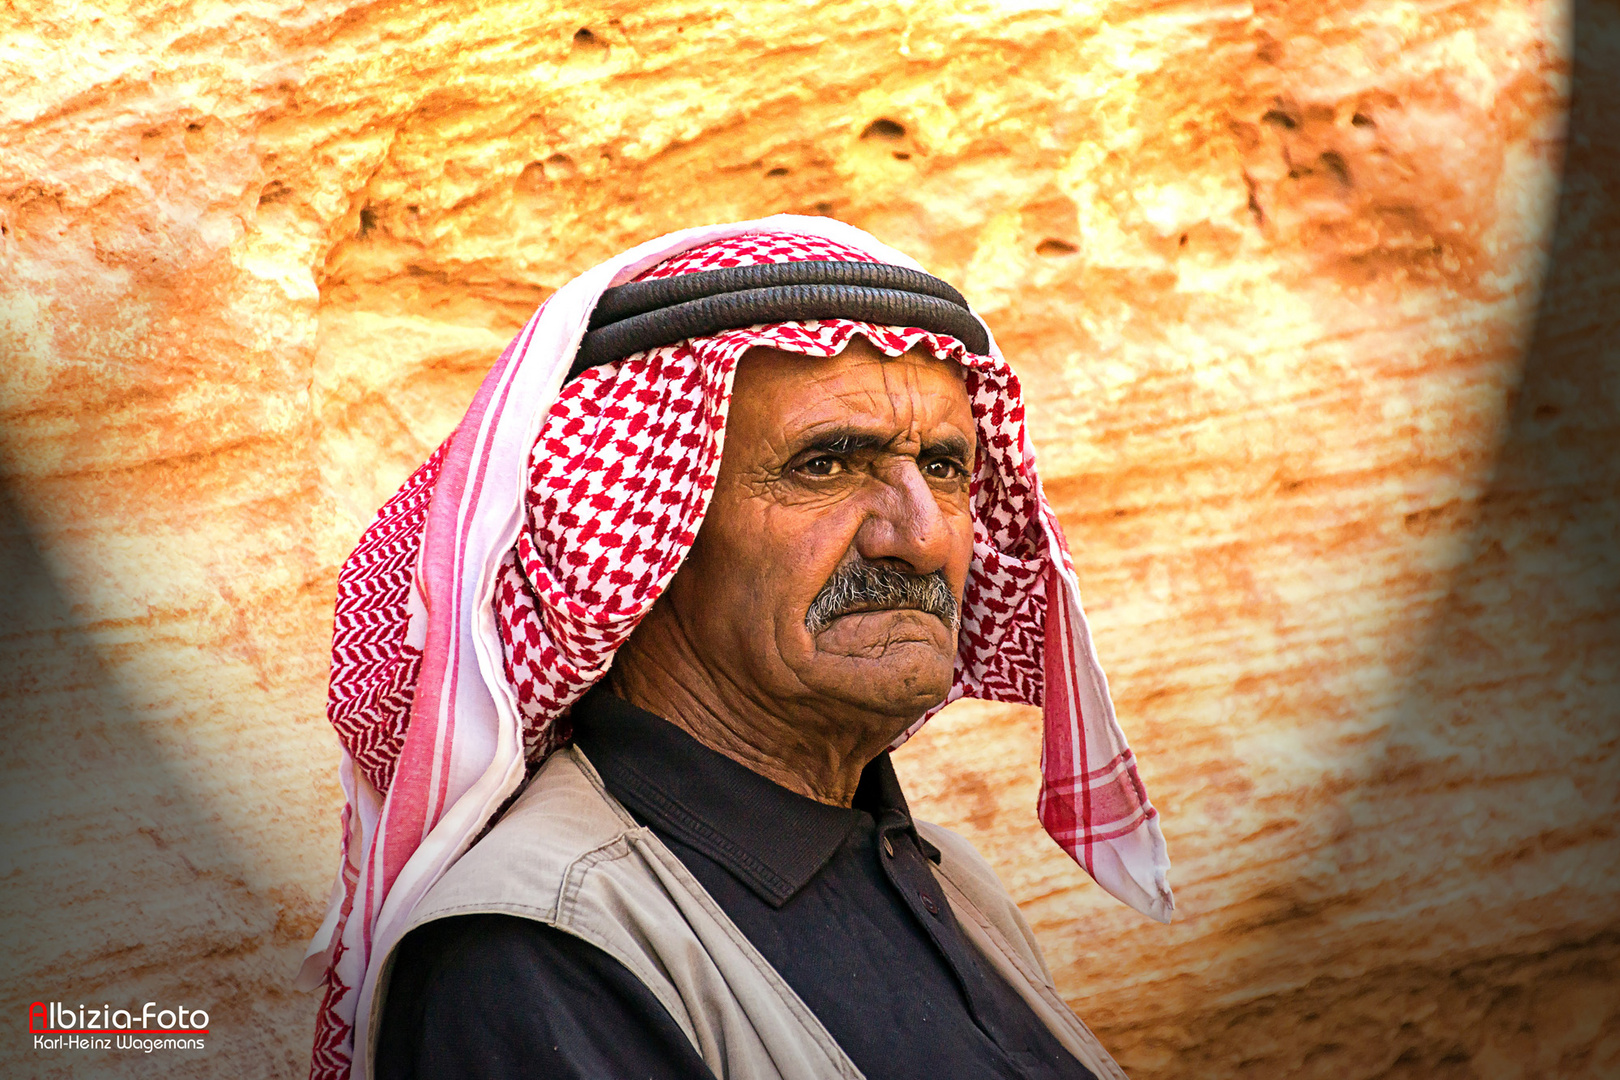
[850, 472]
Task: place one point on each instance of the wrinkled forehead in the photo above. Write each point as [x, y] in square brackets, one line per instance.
[862, 391]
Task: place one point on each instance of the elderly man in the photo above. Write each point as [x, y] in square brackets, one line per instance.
[780, 510]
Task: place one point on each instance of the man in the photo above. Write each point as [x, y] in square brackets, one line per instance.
[781, 509]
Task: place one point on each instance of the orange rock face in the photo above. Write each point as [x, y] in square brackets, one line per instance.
[1339, 472]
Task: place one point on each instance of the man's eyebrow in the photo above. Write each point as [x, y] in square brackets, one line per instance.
[842, 440]
[948, 446]
[851, 440]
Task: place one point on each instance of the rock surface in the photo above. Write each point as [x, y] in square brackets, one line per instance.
[1343, 506]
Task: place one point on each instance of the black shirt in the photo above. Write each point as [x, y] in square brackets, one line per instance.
[841, 902]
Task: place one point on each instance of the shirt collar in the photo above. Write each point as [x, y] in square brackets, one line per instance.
[772, 839]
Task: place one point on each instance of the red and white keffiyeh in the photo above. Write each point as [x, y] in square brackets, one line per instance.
[493, 590]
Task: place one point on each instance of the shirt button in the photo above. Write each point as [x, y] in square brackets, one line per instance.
[888, 848]
[933, 908]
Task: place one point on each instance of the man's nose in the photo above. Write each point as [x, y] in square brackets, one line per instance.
[905, 521]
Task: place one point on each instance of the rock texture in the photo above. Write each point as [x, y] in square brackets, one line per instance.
[1340, 474]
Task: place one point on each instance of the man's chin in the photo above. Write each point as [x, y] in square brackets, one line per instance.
[891, 661]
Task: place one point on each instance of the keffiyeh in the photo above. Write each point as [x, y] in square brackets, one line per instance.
[495, 587]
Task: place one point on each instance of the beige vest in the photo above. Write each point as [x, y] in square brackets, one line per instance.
[567, 854]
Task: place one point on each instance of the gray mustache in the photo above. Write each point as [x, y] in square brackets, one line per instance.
[864, 586]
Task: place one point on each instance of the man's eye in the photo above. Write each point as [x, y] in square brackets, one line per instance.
[823, 466]
[944, 469]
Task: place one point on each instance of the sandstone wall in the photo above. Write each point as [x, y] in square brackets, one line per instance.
[1344, 507]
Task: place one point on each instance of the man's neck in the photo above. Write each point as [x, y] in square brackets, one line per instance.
[810, 748]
